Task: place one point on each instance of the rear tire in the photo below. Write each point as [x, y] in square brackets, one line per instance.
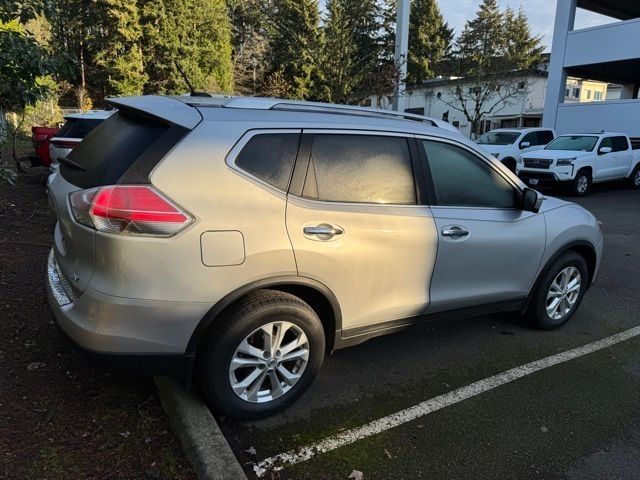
[634, 179]
[581, 184]
[558, 292]
[263, 355]
[510, 163]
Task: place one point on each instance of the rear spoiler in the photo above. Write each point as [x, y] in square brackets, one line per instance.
[165, 109]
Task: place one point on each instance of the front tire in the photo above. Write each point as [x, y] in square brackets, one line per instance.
[581, 183]
[264, 354]
[559, 292]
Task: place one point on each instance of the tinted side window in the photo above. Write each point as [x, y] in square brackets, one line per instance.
[532, 138]
[620, 144]
[361, 169]
[606, 142]
[545, 137]
[270, 157]
[463, 180]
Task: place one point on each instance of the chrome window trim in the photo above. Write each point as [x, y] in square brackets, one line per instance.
[350, 205]
[355, 131]
[231, 157]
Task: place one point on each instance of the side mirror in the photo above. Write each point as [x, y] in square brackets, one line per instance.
[525, 145]
[604, 150]
[531, 200]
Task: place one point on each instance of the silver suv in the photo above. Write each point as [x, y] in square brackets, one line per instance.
[236, 241]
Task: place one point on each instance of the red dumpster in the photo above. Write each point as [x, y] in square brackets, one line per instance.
[41, 137]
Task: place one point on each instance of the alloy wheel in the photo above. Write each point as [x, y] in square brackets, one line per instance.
[563, 293]
[583, 184]
[269, 362]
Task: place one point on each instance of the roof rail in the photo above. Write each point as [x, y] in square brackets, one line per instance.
[298, 105]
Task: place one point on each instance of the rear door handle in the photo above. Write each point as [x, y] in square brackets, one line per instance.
[455, 232]
[323, 230]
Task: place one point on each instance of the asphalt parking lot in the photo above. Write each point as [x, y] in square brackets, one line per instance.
[579, 419]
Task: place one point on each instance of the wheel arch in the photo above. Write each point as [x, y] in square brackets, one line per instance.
[581, 247]
[316, 294]
[587, 167]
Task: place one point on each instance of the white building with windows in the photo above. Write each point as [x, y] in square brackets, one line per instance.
[604, 54]
[436, 98]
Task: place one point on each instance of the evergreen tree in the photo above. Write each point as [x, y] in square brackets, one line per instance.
[482, 44]
[195, 33]
[388, 32]
[487, 61]
[429, 40]
[120, 56]
[250, 44]
[524, 50]
[339, 55]
[295, 41]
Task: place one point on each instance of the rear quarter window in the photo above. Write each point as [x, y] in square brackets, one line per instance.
[122, 149]
[270, 158]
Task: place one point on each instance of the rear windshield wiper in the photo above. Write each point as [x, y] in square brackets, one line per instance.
[70, 163]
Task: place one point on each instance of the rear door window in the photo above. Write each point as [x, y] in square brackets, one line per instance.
[270, 158]
[620, 144]
[545, 137]
[78, 127]
[360, 169]
[126, 140]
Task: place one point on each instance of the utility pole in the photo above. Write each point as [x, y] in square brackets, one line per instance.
[401, 52]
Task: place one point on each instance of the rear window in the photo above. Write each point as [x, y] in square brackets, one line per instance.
[123, 149]
[78, 127]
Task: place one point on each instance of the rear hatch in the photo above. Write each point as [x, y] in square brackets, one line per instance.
[122, 150]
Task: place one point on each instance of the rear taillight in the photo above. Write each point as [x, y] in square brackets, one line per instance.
[128, 210]
[65, 143]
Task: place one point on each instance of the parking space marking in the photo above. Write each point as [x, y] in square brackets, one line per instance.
[278, 462]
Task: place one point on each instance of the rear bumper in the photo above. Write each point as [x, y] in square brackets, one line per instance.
[124, 334]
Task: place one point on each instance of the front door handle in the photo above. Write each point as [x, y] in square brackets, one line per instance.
[323, 230]
[455, 232]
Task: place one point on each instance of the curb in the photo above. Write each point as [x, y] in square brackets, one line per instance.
[201, 438]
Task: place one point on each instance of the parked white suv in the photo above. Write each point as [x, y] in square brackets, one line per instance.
[578, 160]
[76, 127]
[508, 144]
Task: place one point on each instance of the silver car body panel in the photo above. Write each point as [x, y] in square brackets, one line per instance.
[145, 294]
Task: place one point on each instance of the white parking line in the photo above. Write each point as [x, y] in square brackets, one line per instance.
[301, 454]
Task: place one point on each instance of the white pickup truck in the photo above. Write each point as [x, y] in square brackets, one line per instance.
[578, 160]
[509, 144]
